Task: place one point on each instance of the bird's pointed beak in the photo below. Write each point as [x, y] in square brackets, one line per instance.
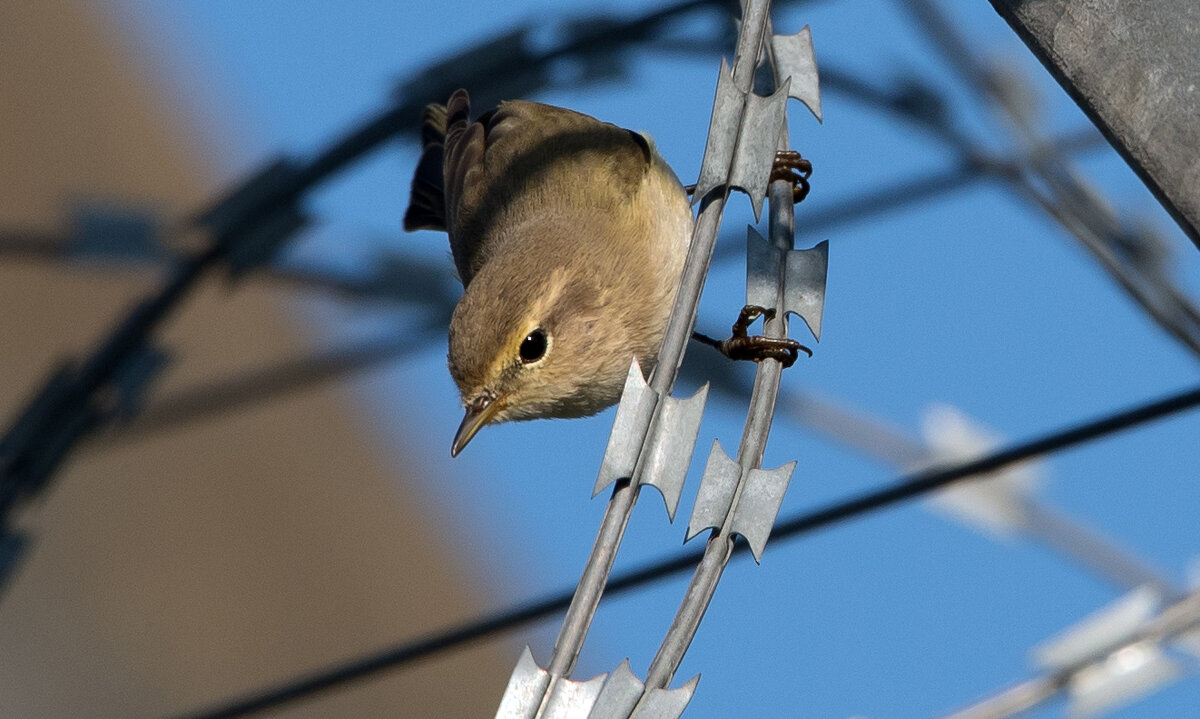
[479, 413]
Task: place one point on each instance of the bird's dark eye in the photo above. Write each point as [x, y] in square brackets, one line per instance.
[533, 347]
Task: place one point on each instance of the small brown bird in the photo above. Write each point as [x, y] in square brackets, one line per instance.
[569, 235]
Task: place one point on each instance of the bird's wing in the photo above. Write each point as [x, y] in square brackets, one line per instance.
[426, 201]
[497, 167]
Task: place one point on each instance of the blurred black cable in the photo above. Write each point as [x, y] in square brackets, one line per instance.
[905, 488]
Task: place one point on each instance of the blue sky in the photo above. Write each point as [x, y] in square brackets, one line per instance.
[974, 299]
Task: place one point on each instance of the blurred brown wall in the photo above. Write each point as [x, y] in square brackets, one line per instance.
[195, 564]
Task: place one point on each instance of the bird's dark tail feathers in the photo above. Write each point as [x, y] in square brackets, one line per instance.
[427, 203]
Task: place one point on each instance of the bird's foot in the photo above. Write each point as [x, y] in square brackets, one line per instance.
[741, 346]
[789, 166]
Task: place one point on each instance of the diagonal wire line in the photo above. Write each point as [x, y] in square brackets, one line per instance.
[905, 488]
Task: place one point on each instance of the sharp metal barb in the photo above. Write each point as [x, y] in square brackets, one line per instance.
[721, 476]
[634, 415]
[757, 504]
[721, 144]
[665, 460]
[568, 699]
[526, 687]
[660, 703]
[624, 696]
[620, 694]
[669, 426]
[802, 291]
[533, 692]
[795, 60]
[735, 159]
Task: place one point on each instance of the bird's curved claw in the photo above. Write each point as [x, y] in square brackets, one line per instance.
[789, 166]
[756, 348]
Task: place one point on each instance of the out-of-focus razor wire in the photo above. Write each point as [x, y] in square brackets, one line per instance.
[902, 489]
[1121, 653]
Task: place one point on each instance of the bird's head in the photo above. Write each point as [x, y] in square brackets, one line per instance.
[533, 344]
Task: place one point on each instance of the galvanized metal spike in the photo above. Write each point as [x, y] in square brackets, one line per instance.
[571, 699]
[669, 439]
[669, 447]
[667, 703]
[756, 145]
[634, 414]
[742, 138]
[722, 134]
[523, 698]
[619, 695]
[758, 505]
[525, 690]
[804, 285]
[804, 273]
[717, 487]
[795, 59]
[762, 270]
